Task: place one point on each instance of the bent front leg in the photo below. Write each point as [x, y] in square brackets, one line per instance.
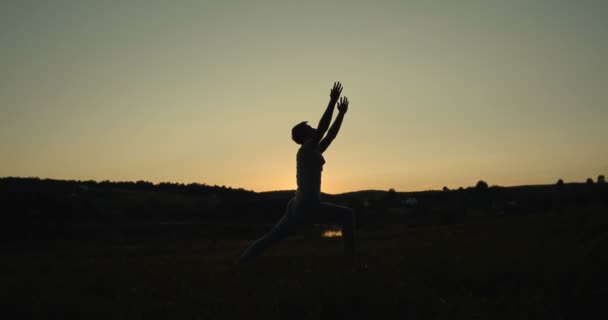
[346, 216]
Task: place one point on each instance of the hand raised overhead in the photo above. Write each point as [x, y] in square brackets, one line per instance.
[343, 105]
[336, 91]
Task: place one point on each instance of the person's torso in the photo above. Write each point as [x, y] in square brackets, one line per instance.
[309, 162]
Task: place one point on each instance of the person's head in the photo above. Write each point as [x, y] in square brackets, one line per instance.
[302, 132]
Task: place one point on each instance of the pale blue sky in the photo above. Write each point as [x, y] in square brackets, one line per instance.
[442, 92]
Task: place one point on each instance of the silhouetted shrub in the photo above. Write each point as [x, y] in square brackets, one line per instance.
[589, 181]
[446, 188]
[601, 179]
[560, 182]
[481, 185]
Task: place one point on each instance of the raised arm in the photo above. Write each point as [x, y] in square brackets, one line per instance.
[334, 95]
[335, 127]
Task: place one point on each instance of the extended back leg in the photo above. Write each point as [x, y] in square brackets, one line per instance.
[278, 232]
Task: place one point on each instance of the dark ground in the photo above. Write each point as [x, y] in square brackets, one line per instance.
[544, 266]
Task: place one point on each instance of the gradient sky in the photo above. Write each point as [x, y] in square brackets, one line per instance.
[442, 92]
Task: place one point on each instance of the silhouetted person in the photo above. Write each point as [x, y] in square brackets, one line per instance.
[306, 203]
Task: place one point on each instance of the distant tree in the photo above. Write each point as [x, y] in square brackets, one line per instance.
[560, 182]
[445, 188]
[141, 184]
[601, 179]
[481, 185]
[589, 181]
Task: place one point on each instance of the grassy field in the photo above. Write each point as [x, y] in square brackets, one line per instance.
[527, 267]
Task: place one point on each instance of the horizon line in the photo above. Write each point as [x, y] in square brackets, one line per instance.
[292, 190]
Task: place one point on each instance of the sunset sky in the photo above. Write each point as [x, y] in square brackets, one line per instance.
[442, 92]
